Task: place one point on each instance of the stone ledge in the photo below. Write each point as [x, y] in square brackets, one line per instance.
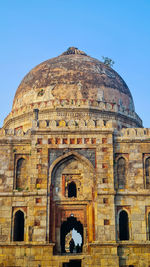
[25, 244]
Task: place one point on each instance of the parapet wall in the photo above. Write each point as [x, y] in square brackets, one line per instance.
[61, 125]
[79, 125]
[135, 133]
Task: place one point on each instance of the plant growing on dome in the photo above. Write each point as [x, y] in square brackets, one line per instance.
[108, 61]
[41, 92]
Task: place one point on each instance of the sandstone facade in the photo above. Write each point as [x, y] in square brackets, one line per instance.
[79, 162]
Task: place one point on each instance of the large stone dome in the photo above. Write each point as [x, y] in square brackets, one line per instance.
[72, 75]
[73, 80]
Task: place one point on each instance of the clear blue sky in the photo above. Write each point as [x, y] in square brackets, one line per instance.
[32, 31]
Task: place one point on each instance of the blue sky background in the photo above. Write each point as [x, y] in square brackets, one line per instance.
[32, 31]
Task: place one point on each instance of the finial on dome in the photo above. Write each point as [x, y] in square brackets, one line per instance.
[72, 51]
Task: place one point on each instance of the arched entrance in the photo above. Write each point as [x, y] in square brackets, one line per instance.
[72, 177]
[76, 240]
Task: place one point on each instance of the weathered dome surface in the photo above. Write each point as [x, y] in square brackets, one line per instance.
[72, 75]
[70, 88]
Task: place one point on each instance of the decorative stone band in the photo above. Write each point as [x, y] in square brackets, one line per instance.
[13, 132]
[135, 133]
[60, 125]
[74, 104]
[71, 124]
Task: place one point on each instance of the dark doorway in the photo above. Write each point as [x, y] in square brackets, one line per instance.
[19, 226]
[68, 226]
[123, 226]
[72, 263]
[72, 190]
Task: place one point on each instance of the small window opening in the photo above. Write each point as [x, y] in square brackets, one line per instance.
[105, 122]
[19, 226]
[72, 190]
[123, 226]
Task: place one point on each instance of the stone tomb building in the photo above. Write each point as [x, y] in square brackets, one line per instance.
[74, 157]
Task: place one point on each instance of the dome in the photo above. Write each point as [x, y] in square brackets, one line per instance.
[72, 82]
[72, 75]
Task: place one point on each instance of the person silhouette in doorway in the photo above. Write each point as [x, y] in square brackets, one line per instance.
[71, 245]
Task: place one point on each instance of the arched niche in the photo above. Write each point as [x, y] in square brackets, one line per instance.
[123, 225]
[21, 172]
[121, 172]
[72, 169]
[18, 233]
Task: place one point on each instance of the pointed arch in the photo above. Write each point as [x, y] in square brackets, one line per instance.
[123, 225]
[18, 226]
[67, 226]
[67, 168]
[62, 159]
